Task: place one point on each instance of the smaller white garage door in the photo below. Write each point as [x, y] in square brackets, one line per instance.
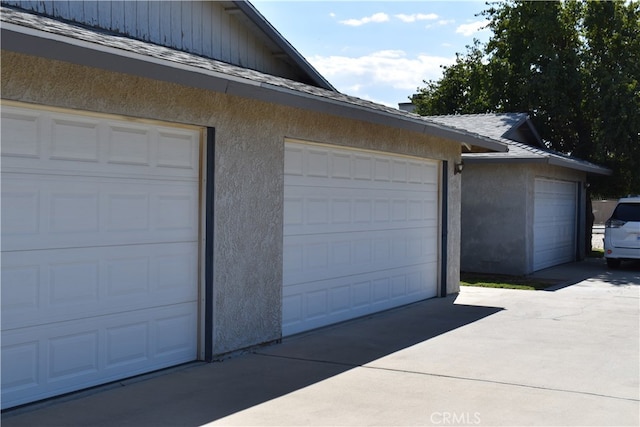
[100, 227]
[554, 225]
[360, 233]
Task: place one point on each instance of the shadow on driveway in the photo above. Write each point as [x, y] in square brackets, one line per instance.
[594, 269]
[201, 393]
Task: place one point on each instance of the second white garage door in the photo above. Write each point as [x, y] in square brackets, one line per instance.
[360, 233]
[554, 223]
[99, 250]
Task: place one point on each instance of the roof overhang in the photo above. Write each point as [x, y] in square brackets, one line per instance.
[55, 46]
[549, 160]
[288, 52]
[580, 165]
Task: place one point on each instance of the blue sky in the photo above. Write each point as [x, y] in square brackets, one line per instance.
[377, 50]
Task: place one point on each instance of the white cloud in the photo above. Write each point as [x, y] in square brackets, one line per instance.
[376, 17]
[416, 17]
[446, 21]
[471, 28]
[385, 68]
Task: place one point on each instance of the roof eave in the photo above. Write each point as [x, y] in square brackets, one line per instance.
[488, 159]
[59, 47]
[270, 31]
[581, 166]
[550, 160]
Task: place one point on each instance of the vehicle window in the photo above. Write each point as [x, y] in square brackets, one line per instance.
[627, 212]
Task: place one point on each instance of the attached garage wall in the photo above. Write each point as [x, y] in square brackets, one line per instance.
[360, 233]
[100, 223]
[249, 174]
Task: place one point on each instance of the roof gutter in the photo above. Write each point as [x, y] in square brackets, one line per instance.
[31, 41]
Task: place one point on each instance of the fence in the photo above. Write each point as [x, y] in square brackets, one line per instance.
[602, 210]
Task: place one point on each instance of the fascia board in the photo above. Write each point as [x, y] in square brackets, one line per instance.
[266, 28]
[550, 160]
[58, 47]
[502, 159]
[584, 167]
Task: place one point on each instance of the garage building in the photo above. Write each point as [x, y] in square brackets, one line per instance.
[178, 183]
[522, 210]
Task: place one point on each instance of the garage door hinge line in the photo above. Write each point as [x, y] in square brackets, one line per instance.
[119, 313]
[369, 230]
[364, 273]
[100, 246]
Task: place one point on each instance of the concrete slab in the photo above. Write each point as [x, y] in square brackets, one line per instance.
[568, 356]
[384, 397]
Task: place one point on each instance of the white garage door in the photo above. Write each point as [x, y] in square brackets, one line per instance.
[360, 233]
[99, 250]
[554, 224]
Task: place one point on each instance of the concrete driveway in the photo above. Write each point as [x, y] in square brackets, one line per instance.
[566, 356]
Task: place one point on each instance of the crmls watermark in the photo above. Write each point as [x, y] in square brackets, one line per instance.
[455, 418]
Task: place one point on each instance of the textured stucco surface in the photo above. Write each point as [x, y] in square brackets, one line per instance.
[494, 218]
[249, 160]
[497, 214]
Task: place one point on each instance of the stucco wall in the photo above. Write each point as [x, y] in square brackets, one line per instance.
[497, 214]
[494, 218]
[249, 160]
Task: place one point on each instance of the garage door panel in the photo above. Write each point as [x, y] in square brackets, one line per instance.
[100, 250]
[344, 165]
[322, 209]
[52, 141]
[363, 184]
[46, 286]
[21, 134]
[43, 211]
[61, 357]
[360, 233]
[332, 255]
[321, 303]
[554, 229]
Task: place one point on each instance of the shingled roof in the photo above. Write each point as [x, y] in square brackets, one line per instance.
[42, 36]
[507, 128]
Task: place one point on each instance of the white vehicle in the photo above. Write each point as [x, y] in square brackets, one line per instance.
[622, 232]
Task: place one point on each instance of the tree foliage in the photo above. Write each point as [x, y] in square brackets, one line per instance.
[574, 67]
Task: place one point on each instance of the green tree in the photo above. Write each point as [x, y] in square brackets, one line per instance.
[573, 66]
[462, 90]
[611, 77]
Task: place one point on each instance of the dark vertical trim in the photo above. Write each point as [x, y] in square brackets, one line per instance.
[208, 249]
[444, 221]
[580, 227]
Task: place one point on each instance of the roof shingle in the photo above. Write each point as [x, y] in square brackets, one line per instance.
[495, 126]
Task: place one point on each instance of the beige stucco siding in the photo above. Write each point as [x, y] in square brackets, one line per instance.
[249, 160]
